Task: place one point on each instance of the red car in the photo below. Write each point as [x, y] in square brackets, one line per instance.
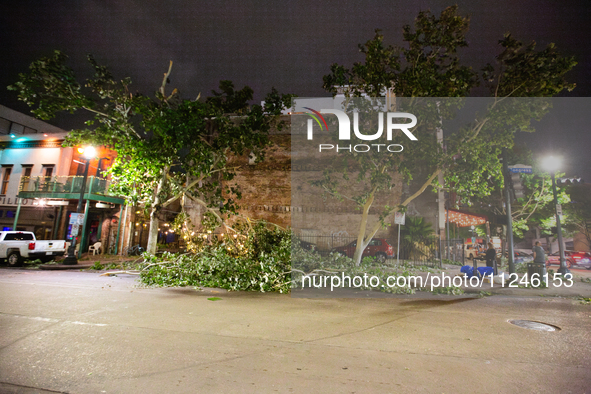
[378, 248]
[581, 259]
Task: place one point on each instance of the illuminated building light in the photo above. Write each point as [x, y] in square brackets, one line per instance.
[58, 202]
[89, 152]
[462, 219]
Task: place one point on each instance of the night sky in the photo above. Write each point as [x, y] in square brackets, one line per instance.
[288, 45]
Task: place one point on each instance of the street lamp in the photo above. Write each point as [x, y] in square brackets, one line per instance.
[552, 164]
[88, 152]
[98, 167]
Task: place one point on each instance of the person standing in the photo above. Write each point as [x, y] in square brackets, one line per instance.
[539, 254]
[491, 255]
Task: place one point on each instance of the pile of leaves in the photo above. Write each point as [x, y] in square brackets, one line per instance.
[309, 263]
[264, 266]
[260, 260]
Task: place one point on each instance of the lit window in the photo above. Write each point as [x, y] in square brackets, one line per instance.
[5, 179]
[27, 169]
[47, 170]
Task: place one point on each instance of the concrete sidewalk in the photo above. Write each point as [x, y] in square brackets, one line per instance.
[581, 283]
[78, 332]
[580, 286]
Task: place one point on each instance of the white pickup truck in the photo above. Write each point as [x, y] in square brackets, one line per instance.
[17, 246]
[470, 251]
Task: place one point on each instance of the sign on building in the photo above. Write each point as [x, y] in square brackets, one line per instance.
[77, 218]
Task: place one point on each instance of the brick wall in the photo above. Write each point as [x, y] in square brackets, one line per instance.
[267, 193]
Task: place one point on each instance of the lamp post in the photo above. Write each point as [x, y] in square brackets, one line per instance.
[551, 164]
[88, 153]
[98, 167]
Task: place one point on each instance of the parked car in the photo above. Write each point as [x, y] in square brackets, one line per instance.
[17, 246]
[521, 257]
[580, 259]
[378, 248]
[470, 251]
[307, 245]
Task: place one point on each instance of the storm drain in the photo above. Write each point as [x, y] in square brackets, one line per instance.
[534, 325]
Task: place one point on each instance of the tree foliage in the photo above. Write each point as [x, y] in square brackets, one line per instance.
[429, 65]
[260, 260]
[416, 228]
[578, 211]
[167, 146]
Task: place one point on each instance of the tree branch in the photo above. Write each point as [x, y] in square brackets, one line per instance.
[165, 79]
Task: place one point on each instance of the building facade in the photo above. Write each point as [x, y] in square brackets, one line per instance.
[41, 182]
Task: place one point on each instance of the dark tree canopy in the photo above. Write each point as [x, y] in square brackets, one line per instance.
[429, 65]
[167, 146]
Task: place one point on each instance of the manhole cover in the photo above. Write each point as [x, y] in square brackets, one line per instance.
[534, 325]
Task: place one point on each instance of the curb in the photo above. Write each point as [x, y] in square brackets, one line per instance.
[55, 267]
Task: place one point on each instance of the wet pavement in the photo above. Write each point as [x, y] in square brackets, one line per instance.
[79, 332]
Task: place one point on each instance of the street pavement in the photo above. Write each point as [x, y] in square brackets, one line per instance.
[79, 332]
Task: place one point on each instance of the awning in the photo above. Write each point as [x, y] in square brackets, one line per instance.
[463, 219]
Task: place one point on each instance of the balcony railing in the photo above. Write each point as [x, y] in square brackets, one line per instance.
[63, 184]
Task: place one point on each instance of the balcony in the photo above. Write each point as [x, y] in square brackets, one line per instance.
[66, 187]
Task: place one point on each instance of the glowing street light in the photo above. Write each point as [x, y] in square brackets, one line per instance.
[88, 152]
[552, 164]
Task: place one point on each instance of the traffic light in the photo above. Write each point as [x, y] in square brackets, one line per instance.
[517, 184]
[569, 181]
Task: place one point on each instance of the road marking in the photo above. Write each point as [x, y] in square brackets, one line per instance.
[37, 318]
[40, 319]
[47, 319]
[86, 324]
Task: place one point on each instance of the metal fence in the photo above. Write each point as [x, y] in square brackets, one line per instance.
[423, 251]
[453, 249]
[63, 184]
[418, 251]
[324, 244]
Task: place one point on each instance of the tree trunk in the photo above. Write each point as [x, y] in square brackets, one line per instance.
[504, 243]
[153, 233]
[362, 227]
[127, 229]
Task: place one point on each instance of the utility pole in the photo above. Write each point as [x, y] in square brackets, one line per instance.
[558, 210]
[506, 178]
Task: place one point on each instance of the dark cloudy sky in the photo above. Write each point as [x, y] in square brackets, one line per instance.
[289, 45]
